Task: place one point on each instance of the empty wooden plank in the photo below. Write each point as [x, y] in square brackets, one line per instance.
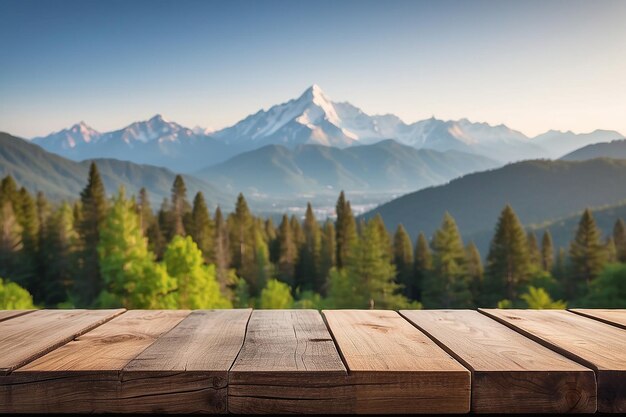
[186, 370]
[594, 344]
[9, 314]
[288, 364]
[510, 373]
[395, 368]
[616, 317]
[83, 376]
[27, 337]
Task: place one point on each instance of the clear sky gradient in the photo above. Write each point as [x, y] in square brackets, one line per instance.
[533, 65]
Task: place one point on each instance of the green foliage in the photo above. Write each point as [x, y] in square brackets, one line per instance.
[447, 284]
[608, 290]
[287, 251]
[538, 298]
[201, 227]
[131, 276]
[547, 251]
[619, 238]
[345, 229]
[475, 271]
[508, 263]
[403, 259]
[14, 297]
[423, 265]
[196, 285]
[368, 278]
[308, 299]
[308, 276]
[587, 255]
[276, 294]
[93, 211]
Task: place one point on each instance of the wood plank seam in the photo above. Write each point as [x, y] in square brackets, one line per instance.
[582, 313]
[447, 350]
[12, 316]
[545, 343]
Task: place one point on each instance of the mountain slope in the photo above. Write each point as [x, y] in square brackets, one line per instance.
[60, 178]
[615, 149]
[558, 143]
[538, 190]
[386, 166]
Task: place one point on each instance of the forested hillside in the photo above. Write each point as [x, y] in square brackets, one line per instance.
[99, 251]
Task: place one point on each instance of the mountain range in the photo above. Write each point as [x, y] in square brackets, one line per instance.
[312, 118]
[614, 149]
[384, 167]
[539, 191]
[60, 178]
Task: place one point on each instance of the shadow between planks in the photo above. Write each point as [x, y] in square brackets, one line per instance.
[290, 361]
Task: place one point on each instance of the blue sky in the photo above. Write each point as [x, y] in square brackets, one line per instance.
[533, 65]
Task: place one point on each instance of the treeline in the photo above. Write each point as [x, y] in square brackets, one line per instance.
[99, 252]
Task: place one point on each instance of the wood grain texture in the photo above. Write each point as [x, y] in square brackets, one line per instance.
[26, 338]
[592, 343]
[510, 373]
[83, 376]
[395, 368]
[186, 370]
[9, 314]
[615, 317]
[288, 364]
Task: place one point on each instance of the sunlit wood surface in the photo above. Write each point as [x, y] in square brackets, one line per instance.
[305, 361]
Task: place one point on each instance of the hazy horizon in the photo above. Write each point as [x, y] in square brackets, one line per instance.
[533, 66]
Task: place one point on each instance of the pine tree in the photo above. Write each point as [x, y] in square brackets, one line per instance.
[559, 270]
[447, 286]
[386, 238]
[180, 207]
[587, 255]
[308, 277]
[619, 238]
[131, 276]
[202, 228]
[29, 222]
[475, 271]
[221, 251]
[328, 253]
[93, 210]
[611, 250]
[8, 190]
[242, 238]
[196, 284]
[547, 252]
[59, 250]
[287, 252]
[345, 229]
[146, 216]
[403, 259]
[534, 254]
[368, 277]
[10, 240]
[508, 263]
[422, 268]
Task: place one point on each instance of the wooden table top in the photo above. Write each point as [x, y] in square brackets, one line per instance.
[306, 361]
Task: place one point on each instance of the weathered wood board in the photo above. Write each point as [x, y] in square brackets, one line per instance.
[510, 373]
[597, 345]
[186, 369]
[27, 337]
[395, 368]
[288, 364]
[616, 317]
[83, 376]
[9, 314]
